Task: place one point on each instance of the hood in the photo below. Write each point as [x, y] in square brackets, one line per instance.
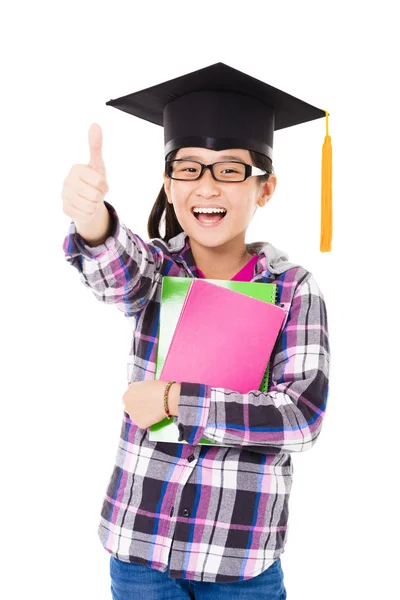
[270, 258]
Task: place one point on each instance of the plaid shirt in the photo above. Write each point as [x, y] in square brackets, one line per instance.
[208, 513]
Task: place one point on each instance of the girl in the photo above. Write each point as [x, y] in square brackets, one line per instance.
[187, 520]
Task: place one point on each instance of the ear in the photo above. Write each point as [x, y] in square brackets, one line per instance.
[267, 190]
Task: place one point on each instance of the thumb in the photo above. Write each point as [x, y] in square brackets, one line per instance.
[95, 137]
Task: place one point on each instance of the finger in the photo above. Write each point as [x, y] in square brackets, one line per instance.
[88, 191]
[95, 137]
[79, 212]
[93, 178]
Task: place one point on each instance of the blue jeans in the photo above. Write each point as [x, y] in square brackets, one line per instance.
[131, 581]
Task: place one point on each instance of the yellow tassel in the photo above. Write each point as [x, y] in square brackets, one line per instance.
[326, 193]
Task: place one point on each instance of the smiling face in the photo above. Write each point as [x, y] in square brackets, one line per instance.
[240, 199]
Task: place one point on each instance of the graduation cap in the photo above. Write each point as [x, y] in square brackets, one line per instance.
[219, 107]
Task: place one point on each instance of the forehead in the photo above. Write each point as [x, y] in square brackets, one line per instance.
[207, 155]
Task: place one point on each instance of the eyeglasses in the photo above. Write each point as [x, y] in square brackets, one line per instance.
[232, 171]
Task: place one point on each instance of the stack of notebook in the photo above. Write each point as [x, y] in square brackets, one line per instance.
[216, 332]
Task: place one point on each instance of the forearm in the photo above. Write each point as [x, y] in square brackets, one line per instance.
[122, 269]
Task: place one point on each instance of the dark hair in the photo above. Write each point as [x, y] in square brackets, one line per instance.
[163, 209]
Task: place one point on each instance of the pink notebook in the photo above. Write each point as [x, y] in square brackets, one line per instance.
[223, 338]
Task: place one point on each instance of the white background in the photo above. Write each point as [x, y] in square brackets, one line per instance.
[64, 353]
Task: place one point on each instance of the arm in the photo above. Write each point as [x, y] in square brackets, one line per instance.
[121, 270]
[289, 417]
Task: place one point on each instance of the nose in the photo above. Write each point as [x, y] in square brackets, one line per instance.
[207, 181]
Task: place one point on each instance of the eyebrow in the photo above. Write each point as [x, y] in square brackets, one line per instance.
[224, 156]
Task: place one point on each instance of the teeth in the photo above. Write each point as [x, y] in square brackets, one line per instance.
[209, 210]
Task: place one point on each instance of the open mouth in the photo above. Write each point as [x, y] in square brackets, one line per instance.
[209, 217]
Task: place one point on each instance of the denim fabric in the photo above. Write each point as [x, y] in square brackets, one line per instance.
[132, 581]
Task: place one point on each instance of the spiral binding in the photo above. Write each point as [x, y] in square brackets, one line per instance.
[267, 375]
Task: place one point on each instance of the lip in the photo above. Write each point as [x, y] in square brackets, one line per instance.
[208, 225]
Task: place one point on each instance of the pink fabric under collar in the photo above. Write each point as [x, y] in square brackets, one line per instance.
[245, 274]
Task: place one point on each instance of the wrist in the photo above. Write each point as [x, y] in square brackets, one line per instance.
[173, 398]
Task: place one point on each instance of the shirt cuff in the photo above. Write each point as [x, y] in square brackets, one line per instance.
[102, 251]
[193, 411]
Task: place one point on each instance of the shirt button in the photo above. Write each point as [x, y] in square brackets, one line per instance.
[191, 457]
[186, 512]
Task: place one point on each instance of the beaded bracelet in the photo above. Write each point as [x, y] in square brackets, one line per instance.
[165, 398]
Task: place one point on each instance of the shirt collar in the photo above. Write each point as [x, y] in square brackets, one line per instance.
[270, 258]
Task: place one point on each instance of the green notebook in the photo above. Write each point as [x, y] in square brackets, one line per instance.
[174, 290]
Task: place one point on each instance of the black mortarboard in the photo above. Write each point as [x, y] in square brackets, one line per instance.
[219, 107]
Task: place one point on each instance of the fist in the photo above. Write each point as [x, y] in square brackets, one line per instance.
[144, 401]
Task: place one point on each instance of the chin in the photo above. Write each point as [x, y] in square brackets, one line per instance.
[207, 239]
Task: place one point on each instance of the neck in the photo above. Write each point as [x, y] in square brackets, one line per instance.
[219, 263]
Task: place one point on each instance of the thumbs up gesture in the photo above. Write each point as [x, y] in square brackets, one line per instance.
[85, 186]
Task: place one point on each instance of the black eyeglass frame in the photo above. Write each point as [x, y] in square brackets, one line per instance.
[249, 170]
